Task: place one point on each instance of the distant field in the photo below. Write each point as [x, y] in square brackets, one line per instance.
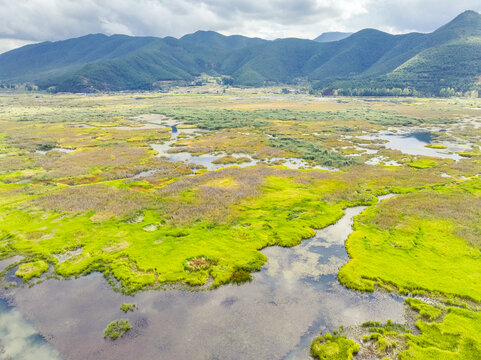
[83, 189]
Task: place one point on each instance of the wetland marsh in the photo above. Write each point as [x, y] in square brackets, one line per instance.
[230, 215]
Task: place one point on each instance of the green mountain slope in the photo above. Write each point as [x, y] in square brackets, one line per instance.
[447, 58]
[44, 60]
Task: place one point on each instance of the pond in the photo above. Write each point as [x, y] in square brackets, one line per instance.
[414, 143]
[294, 297]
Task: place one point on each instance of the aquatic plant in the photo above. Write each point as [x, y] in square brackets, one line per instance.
[333, 347]
[31, 269]
[117, 329]
[128, 307]
[427, 312]
[435, 146]
[311, 151]
[421, 163]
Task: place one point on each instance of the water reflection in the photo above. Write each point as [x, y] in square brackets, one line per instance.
[414, 143]
[295, 296]
[19, 340]
[208, 160]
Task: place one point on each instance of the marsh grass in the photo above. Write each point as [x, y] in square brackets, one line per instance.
[32, 269]
[421, 163]
[117, 329]
[128, 307]
[229, 159]
[198, 263]
[311, 151]
[101, 198]
[441, 333]
[430, 237]
[92, 198]
[335, 347]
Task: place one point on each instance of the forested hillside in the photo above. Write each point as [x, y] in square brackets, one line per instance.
[367, 62]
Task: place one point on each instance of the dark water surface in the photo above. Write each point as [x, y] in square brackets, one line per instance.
[293, 298]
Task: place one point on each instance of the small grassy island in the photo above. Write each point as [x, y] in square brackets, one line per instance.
[117, 329]
[333, 347]
[128, 307]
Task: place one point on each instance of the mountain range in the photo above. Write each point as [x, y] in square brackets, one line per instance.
[332, 36]
[449, 57]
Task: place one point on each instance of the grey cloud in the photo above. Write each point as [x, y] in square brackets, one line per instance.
[402, 16]
[40, 20]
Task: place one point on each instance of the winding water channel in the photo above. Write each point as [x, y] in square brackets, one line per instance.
[294, 297]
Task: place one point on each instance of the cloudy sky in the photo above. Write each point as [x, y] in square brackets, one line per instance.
[27, 21]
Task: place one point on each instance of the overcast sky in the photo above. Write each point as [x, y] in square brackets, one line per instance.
[26, 21]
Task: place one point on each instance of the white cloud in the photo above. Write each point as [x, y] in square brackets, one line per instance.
[19, 340]
[9, 44]
[111, 27]
[40, 20]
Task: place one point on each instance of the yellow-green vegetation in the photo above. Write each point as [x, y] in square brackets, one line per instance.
[229, 159]
[117, 329]
[435, 146]
[31, 269]
[427, 312]
[388, 339]
[128, 307]
[423, 241]
[474, 152]
[456, 336]
[470, 154]
[217, 232]
[98, 197]
[82, 190]
[333, 347]
[442, 333]
[421, 164]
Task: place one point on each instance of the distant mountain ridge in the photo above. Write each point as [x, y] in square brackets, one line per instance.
[448, 58]
[332, 36]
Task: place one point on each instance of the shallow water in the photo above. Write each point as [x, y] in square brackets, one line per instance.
[413, 143]
[9, 261]
[297, 163]
[19, 340]
[43, 152]
[378, 160]
[207, 160]
[294, 297]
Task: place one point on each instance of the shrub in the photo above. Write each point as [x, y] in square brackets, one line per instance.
[117, 329]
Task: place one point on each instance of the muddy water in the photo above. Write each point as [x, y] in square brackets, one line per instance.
[294, 297]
